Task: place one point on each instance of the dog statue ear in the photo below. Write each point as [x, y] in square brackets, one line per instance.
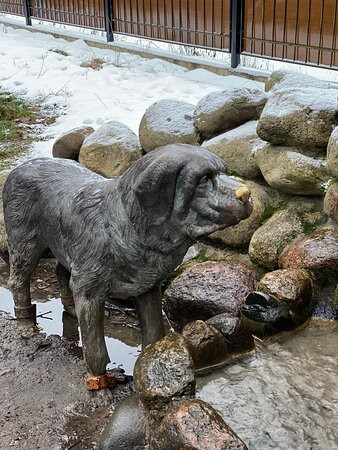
[155, 189]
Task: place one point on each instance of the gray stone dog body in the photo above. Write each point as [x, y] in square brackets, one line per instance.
[115, 238]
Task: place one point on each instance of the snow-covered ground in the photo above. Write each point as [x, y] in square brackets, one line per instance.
[122, 90]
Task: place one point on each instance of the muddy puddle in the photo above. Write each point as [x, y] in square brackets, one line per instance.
[122, 332]
[285, 394]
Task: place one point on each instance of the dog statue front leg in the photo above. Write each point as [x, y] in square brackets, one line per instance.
[90, 314]
[149, 312]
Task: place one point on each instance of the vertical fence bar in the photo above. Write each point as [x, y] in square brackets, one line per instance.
[27, 12]
[236, 31]
[108, 19]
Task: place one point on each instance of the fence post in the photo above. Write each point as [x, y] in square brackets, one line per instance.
[236, 30]
[27, 12]
[108, 19]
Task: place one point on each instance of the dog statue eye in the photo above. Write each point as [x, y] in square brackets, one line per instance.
[203, 181]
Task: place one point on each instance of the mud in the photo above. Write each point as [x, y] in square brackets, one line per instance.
[44, 402]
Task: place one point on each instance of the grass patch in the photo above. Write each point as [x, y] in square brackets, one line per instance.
[16, 116]
[59, 51]
[94, 63]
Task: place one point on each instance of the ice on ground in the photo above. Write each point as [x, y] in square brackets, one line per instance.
[40, 67]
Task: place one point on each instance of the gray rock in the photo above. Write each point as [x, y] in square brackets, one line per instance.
[291, 172]
[207, 289]
[332, 154]
[164, 370]
[316, 251]
[237, 149]
[110, 150]
[223, 110]
[3, 235]
[299, 117]
[239, 235]
[206, 344]
[194, 424]
[331, 202]
[68, 145]
[128, 426]
[236, 334]
[167, 122]
[281, 79]
[268, 242]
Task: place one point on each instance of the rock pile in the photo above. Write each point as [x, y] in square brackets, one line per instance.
[163, 413]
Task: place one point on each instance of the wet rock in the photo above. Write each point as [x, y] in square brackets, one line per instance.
[239, 235]
[167, 122]
[332, 154]
[110, 150]
[331, 202]
[128, 426]
[164, 370]
[292, 286]
[291, 172]
[223, 110]
[68, 145]
[205, 343]
[3, 234]
[207, 289]
[299, 117]
[281, 79]
[237, 149]
[264, 314]
[194, 424]
[268, 242]
[237, 335]
[316, 251]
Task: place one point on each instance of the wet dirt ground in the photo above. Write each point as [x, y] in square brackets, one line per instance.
[44, 402]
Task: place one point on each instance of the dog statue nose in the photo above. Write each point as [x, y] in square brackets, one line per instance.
[243, 193]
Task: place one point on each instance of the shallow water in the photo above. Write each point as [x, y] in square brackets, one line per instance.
[283, 396]
[121, 330]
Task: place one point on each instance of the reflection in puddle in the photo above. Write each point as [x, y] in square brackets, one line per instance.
[122, 335]
[285, 395]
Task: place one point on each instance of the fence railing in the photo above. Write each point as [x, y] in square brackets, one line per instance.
[301, 31]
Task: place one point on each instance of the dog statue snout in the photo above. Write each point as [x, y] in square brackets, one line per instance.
[243, 194]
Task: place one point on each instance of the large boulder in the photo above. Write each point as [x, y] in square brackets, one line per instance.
[292, 172]
[239, 235]
[331, 202]
[110, 150]
[207, 289]
[68, 145]
[223, 110]
[268, 242]
[332, 154]
[164, 370]
[206, 344]
[281, 79]
[128, 427]
[194, 424]
[167, 122]
[316, 251]
[3, 234]
[299, 117]
[237, 149]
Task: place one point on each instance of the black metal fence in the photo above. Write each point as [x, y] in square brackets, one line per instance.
[301, 31]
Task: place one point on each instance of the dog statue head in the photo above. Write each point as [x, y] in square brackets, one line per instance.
[183, 188]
